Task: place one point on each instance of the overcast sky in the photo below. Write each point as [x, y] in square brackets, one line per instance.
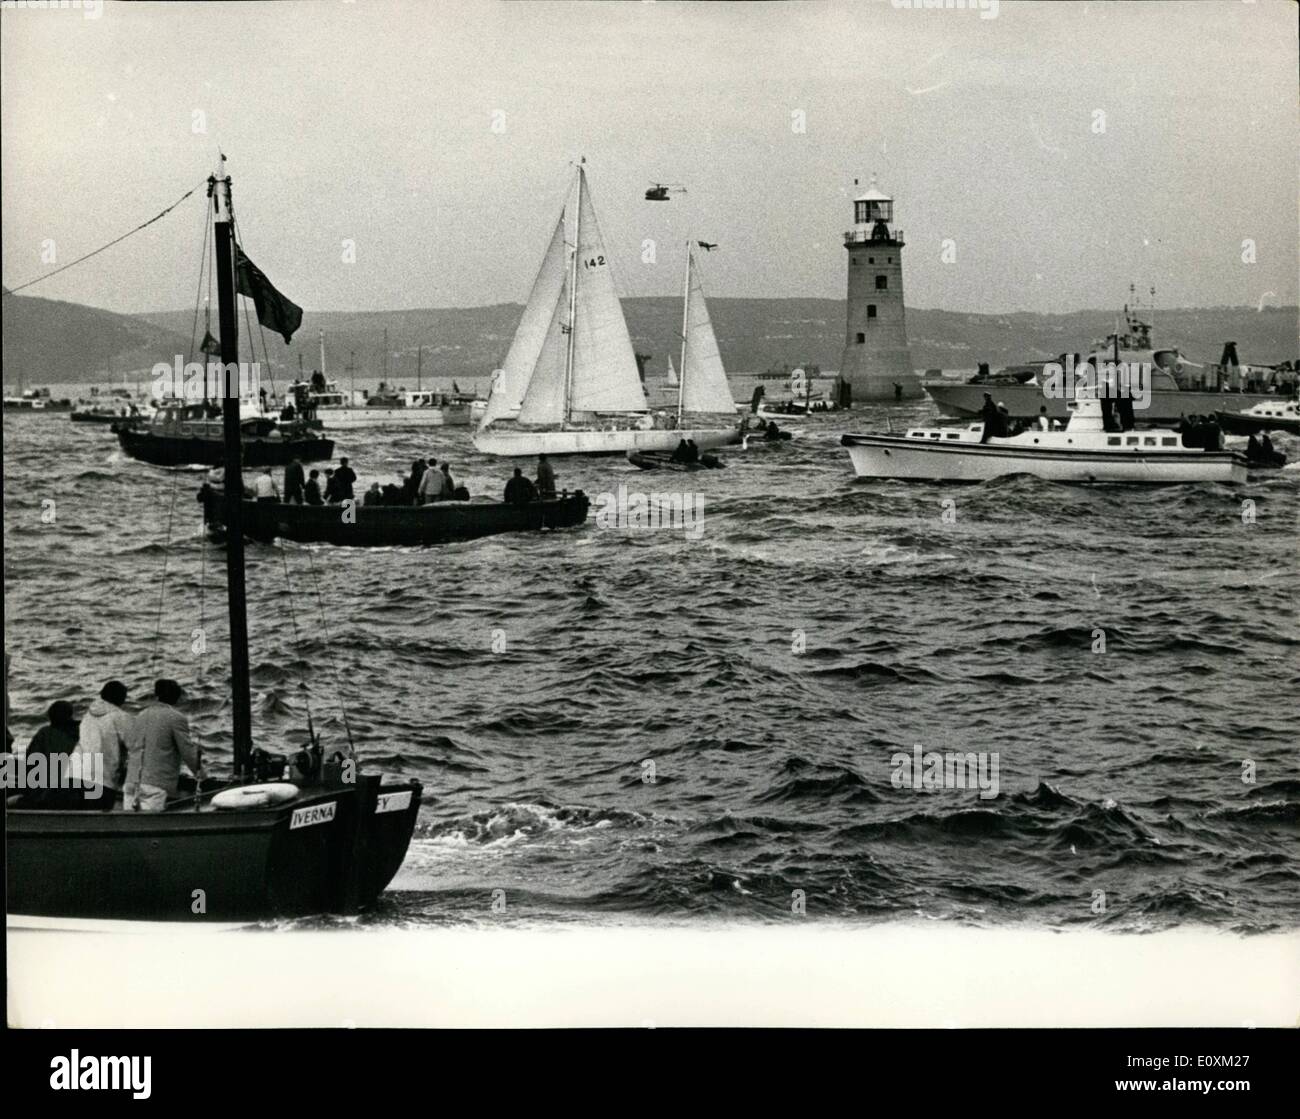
[437, 137]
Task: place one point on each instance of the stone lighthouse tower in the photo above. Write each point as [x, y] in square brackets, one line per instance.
[877, 364]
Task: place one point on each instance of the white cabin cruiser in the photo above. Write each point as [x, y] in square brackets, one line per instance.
[1083, 452]
[347, 411]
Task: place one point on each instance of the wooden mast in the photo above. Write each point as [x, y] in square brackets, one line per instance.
[219, 191]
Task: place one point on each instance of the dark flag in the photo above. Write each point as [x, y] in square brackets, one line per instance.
[273, 310]
[209, 345]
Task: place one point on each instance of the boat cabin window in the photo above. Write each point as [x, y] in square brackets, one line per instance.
[1169, 441]
[1132, 441]
[935, 435]
[953, 435]
[1149, 441]
[1113, 441]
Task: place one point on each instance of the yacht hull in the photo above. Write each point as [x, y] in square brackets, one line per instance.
[885, 456]
[524, 444]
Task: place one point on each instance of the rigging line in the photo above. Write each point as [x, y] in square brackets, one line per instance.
[115, 241]
[338, 691]
[293, 621]
[198, 293]
[162, 582]
[162, 587]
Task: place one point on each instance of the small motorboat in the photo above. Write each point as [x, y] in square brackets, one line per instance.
[1083, 452]
[650, 460]
[1282, 415]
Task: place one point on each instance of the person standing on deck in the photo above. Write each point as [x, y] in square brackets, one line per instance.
[432, 484]
[293, 482]
[411, 487]
[991, 417]
[160, 742]
[105, 731]
[344, 479]
[311, 491]
[264, 487]
[520, 490]
[545, 478]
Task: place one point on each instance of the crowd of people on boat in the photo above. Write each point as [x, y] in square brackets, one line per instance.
[428, 482]
[119, 759]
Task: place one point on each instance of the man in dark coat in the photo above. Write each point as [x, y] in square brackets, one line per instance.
[294, 479]
[992, 418]
[344, 477]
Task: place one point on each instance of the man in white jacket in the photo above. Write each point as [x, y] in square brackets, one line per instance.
[105, 731]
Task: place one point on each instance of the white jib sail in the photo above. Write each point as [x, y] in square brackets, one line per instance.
[672, 371]
[604, 377]
[508, 392]
[704, 380]
[543, 401]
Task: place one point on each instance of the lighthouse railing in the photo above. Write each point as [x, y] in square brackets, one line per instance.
[867, 236]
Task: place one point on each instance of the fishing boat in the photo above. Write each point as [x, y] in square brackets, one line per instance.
[191, 435]
[1083, 452]
[353, 524]
[1269, 415]
[570, 382]
[319, 837]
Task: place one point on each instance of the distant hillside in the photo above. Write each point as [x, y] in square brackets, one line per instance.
[757, 334]
[46, 340]
[65, 342]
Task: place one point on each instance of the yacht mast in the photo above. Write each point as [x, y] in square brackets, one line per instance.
[228, 322]
[686, 319]
[573, 300]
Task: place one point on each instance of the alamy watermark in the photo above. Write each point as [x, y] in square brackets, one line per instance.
[19, 772]
[194, 380]
[988, 9]
[1103, 379]
[90, 9]
[952, 770]
[646, 511]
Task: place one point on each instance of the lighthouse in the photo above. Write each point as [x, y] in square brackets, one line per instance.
[877, 364]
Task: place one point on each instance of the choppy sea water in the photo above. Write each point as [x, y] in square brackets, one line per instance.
[622, 725]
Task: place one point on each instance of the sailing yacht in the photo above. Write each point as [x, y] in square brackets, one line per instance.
[570, 383]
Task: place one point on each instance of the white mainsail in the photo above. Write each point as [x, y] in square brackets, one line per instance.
[604, 376]
[543, 401]
[704, 380]
[530, 336]
[672, 372]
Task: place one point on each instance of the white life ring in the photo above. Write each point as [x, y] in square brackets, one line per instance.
[255, 796]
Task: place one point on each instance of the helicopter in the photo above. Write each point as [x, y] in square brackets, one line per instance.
[659, 192]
